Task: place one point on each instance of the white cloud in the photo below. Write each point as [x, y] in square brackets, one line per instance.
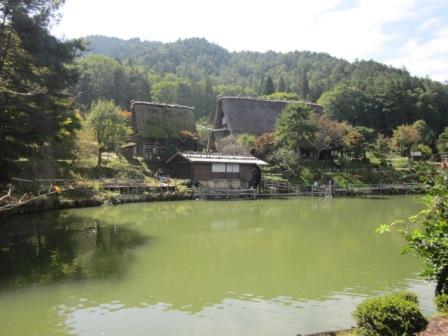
[430, 23]
[428, 58]
[357, 32]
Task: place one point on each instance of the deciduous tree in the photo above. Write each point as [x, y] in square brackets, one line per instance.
[404, 137]
[108, 125]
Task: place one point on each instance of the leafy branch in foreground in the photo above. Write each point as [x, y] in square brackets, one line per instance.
[427, 232]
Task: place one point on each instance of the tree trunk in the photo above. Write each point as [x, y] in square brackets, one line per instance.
[99, 158]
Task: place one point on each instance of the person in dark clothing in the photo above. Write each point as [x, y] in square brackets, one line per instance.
[256, 178]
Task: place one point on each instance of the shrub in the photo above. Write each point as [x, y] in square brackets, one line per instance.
[390, 315]
[425, 150]
[442, 303]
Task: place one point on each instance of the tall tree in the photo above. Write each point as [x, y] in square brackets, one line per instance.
[281, 87]
[102, 77]
[35, 74]
[268, 87]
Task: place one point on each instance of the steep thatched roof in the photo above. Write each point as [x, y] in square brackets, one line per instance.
[161, 121]
[251, 115]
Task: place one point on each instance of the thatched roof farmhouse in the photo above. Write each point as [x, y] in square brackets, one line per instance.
[156, 125]
[236, 115]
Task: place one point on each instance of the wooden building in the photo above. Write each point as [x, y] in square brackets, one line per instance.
[157, 126]
[213, 169]
[237, 115]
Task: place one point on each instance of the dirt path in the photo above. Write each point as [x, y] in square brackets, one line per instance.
[438, 326]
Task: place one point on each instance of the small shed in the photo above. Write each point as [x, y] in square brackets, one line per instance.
[416, 156]
[215, 170]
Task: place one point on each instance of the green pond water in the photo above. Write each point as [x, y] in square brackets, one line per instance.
[273, 267]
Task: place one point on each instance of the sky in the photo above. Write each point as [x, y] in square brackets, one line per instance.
[403, 33]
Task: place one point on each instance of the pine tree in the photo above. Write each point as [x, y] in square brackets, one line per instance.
[281, 87]
[268, 86]
[35, 108]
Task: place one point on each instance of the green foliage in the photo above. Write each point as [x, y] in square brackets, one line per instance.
[287, 162]
[202, 126]
[427, 237]
[267, 86]
[404, 138]
[232, 145]
[167, 151]
[381, 146]
[351, 104]
[441, 302]
[363, 93]
[428, 136]
[355, 143]
[108, 126]
[294, 128]
[165, 125]
[281, 87]
[35, 73]
[291, 96]
[248, 140]
[330, 133]
[442, 142]
[390, 315]
[170, 88]
[425, 150]
[104, 78]
[233, 90]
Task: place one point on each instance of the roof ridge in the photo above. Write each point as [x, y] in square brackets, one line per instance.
[266, 100]
[140, 102]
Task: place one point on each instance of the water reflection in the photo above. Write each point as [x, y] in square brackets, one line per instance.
[60, 246]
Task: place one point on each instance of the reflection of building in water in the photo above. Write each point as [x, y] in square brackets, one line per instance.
[224, 224]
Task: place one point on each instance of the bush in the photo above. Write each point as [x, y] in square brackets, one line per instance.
[390, 315]
[442, 303]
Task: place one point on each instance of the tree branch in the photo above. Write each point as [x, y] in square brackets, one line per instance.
[26, 198]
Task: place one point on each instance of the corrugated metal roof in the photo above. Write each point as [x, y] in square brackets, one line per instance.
[221, 158]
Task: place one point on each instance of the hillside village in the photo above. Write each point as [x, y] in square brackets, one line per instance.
[182, 188]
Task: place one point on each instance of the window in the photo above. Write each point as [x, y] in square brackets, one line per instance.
[232, 168]
[218, 167]
[225, 168]
[223, 120]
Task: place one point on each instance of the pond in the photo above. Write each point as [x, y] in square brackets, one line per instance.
[272, 267]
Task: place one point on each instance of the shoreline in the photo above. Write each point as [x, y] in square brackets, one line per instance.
[54, 202]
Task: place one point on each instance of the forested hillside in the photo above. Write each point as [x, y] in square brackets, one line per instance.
[194, 71]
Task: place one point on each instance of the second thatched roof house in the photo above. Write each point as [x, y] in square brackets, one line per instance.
[158, 126]
[237, 115]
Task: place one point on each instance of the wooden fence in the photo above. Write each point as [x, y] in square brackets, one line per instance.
[124, 186]
[282, 190]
